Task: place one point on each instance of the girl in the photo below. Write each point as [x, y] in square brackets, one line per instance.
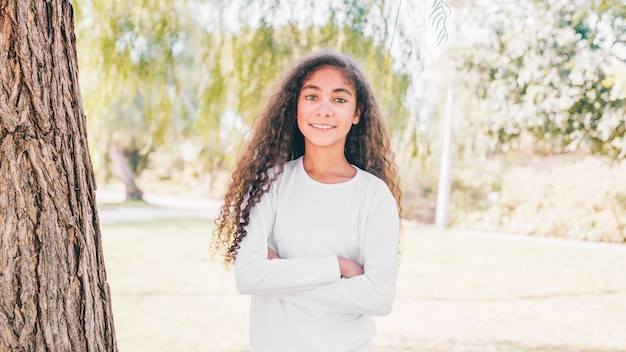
[311, 218]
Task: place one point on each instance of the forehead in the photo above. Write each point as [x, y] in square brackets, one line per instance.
[328, 76]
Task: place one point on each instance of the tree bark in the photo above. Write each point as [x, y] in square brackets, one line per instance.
[54, 294]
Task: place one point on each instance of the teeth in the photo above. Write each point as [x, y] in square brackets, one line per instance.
[324, 127]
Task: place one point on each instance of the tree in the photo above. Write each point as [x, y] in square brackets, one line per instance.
[163, 75]
[128, 53]
[555, 80]
[54, 294]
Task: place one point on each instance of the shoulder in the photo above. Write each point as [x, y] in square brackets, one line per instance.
[374, 185]
[281, 172]
[285, 170]
[372, 180]
[379, 205]
[291, 165]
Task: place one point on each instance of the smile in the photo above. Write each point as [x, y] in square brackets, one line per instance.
[322, 127]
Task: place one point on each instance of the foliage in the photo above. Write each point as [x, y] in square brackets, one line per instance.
[439, 16]
[242, 64]
[182, 73]
[556, 80]
[569, 197]
[179, 82]
[128, 54]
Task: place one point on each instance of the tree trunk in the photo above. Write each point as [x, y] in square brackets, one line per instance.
[53, 290]
[122, 169]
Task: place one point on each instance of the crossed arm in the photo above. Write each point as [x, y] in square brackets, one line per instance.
[347, 267]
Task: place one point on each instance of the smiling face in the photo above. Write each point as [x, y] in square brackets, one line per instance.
[326, 109]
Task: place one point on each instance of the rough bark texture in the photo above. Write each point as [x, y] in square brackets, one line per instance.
[53, 290]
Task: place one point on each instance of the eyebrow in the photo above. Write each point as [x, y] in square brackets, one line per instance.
[336, 90]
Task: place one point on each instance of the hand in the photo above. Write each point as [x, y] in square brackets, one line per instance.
[349, 268]
[271, 254]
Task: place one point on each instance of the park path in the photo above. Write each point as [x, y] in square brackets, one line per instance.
[111, 210]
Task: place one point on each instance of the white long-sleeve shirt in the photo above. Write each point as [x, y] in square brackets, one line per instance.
[300, 302]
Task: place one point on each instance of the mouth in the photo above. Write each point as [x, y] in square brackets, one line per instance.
[322, 126]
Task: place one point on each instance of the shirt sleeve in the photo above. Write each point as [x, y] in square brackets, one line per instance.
[373, 292]
[257, 275]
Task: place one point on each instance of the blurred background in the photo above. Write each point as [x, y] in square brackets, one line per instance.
[507, 117]
[511, 112]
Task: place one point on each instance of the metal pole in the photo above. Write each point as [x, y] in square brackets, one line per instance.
[443, 191]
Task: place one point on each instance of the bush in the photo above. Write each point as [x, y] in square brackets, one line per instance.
[580, 199]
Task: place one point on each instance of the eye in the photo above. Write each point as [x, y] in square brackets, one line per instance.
[340, 100]
[310, 97]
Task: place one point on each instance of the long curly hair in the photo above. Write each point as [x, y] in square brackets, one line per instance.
[277, 139]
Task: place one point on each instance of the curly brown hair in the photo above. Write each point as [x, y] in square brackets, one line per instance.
[277, 139]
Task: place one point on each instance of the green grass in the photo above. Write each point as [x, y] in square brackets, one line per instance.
[456, 292]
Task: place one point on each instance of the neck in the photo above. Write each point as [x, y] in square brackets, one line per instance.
[327, 167]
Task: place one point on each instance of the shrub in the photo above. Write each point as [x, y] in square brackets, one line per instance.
[580, 199]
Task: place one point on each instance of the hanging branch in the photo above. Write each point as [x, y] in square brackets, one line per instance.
[439, 16]
[395, 26]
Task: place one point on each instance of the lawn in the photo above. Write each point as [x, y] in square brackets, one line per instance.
[457, 291]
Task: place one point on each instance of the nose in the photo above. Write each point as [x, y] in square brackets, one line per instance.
[325, 109]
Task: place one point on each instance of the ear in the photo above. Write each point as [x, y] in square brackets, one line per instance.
[357, 117]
